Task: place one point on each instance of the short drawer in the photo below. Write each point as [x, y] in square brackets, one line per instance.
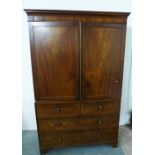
[60, 139]
[100, 108]
[82, 123]
[57, 110]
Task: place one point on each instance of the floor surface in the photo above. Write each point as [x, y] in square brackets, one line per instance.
[31, 147]
[125, 139]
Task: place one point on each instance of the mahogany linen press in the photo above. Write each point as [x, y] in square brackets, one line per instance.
[77, 64]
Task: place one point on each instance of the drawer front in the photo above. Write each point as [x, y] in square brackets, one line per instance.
[100, 108]
[57, 110]
[83, 123]
[58, 139]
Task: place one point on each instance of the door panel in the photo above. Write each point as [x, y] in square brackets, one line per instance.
[56, 55]
[102, 60]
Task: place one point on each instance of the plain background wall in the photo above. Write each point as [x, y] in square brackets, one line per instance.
[28, 113]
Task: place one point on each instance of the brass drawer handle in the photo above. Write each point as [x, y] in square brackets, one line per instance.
[48, 139]
[57, 123]
[99, 136]
[59, 138]
[57, 109]
[100, 107]
[99, 122]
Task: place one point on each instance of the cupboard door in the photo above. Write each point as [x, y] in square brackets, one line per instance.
[55, 58]
[102, 60]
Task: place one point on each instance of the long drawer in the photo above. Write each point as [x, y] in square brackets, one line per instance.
[82, 123]
[100, 108]
[60, 139]
[47, 110]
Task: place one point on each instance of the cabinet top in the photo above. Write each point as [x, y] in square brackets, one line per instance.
[31, 12]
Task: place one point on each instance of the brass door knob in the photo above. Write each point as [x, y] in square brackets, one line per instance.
[116, 81]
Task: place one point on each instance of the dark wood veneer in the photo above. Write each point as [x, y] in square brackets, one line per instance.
[56, 46]
[77, 63]
[47, 110]
[76, 123]
[101, 42]
[61, 139]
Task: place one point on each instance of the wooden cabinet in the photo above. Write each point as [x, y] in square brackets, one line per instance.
[77, 63]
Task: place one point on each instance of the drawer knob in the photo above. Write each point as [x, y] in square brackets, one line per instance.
[60, 138]
[99, 122]
[57, 109]
[48, 139]
[99, 136]
[57, 123]
[100, 107]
